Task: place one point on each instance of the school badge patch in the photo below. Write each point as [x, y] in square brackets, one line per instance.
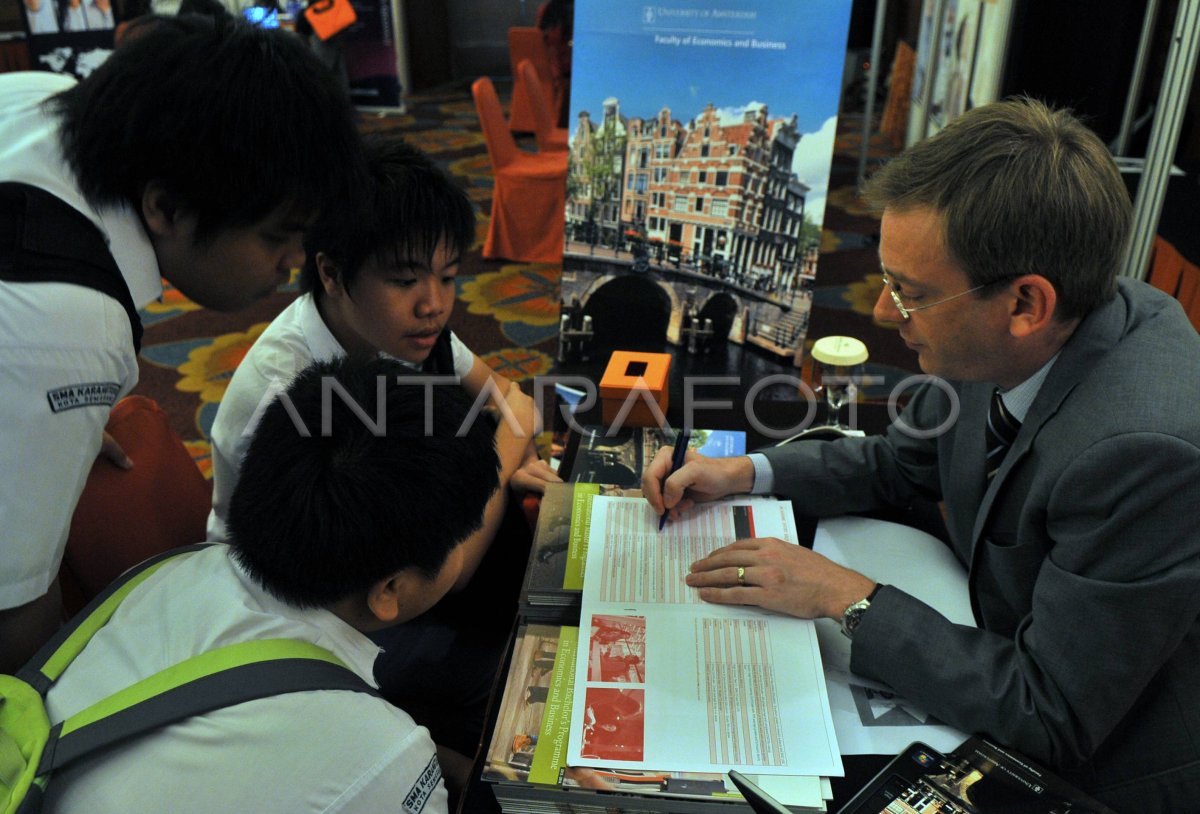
[414, 801]
[90, 394]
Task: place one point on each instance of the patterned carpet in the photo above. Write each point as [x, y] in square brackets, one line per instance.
[507, 312]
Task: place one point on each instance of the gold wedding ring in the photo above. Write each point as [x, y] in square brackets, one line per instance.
[741, 575]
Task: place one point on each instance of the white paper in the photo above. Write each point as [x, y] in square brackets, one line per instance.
[665, 681]
[869, 718]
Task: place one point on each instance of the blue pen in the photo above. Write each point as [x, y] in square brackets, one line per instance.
[681, 445]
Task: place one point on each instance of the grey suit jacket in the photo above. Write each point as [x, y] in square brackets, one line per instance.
[1083, 555]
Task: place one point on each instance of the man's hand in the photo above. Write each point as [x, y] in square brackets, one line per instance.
[699, 480]
[778, 576]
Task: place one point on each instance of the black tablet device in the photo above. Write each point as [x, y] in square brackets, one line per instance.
[979, 777]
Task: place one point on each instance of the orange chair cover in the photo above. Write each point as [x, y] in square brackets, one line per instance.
[126, 516]
[894, 121]
[1173, 273]
[526, 42]
[549, 137]
[529, 196]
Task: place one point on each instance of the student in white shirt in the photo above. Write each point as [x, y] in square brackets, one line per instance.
[386, 285]
[320, 551]
[198, 152]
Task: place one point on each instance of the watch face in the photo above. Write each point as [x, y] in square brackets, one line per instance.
[853, 615]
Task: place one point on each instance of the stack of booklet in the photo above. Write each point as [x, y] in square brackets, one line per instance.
[655, 695]
[553, 588]
[526, 762]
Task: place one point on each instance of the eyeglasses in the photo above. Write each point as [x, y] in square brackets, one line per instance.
[906, 310]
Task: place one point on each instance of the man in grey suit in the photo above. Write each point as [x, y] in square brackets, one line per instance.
[1060, 426]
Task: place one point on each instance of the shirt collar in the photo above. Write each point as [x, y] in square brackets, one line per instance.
[350, 645]
[320, 340]
[1019, 399]
[131, 248]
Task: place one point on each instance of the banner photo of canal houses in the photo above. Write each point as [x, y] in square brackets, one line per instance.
[701, 138]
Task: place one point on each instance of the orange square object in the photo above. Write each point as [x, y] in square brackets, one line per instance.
[632, 376]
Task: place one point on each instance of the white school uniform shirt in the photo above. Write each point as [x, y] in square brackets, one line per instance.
[328, 751]
[293, 341]
[55, 337]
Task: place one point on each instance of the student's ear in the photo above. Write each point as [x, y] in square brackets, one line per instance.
[390, 600]
[161, 210]
[329, 274]
[1034, 303]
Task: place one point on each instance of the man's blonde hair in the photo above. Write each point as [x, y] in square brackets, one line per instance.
[1022, 189]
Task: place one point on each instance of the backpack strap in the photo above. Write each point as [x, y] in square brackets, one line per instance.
[220, 678]
[55, 655]
[229, 675]
[43, 239]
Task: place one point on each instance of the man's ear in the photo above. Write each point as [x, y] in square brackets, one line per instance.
[161, 210]
[1034, 301]
[330, 275]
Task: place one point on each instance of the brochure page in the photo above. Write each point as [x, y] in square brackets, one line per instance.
[665, 680]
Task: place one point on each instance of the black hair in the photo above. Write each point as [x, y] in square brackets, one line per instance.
[409, 207]
[236, 121]
[327, 504]
[558, 14]
[210, 8]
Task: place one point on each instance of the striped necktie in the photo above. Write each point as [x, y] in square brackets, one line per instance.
[1002, 429]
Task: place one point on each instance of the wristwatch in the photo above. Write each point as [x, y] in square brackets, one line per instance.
[854, 614]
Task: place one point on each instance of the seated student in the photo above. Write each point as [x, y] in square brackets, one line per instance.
[314, 555]
[386, 285]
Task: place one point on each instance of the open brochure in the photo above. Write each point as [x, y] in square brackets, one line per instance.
[526, 759]
[666, 681]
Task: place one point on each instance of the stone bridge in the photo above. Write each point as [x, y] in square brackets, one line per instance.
[630, 307]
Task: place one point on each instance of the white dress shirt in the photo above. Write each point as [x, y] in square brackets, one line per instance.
[1017, 401]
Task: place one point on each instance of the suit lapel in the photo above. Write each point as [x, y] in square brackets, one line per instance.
[1093, 338]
